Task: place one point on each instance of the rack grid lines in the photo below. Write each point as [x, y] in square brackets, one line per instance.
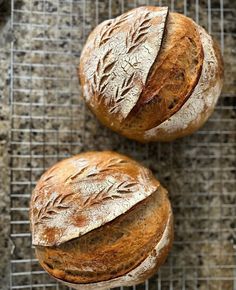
[49, 121]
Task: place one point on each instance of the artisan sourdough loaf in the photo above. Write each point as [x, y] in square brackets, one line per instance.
[100, 220]
[151, 74]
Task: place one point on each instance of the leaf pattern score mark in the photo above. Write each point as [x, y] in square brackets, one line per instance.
[127, 85]
[138, 32]
[41, 191]
[75, 175]
[103, 73]
[113, 162]
[111, 27]
[94, 171]
[53, 207]
[62, 202]
[113, 191]
[122, 92]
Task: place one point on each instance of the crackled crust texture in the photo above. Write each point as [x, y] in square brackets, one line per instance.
[100, 220]
[139, 70]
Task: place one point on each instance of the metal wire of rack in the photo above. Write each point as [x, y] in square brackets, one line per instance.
[49, 121]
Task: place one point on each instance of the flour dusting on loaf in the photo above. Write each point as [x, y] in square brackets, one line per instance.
[116, 63]
[84, 192]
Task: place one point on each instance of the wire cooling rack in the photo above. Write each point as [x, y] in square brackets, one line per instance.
[49, 121]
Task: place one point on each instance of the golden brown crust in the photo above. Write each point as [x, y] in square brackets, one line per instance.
[143, 271]
[128, 240]
[199, 107]
[162, 256]
[168, 84]
[86, 245]
[173, 77]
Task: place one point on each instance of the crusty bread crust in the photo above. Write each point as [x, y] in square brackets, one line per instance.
[142, 106]
[114, 249]
[143, 271]
[173, 77]
[92, 249]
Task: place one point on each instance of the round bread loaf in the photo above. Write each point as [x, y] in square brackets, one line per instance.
[151, 75]
[100, 220]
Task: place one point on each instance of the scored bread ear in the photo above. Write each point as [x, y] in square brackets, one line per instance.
[172, 78]
[143, 271]
[200, 105]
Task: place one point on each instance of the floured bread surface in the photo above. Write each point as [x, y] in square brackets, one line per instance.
[82, 193]
[114, 249]
[117, 59]
[140, 69]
